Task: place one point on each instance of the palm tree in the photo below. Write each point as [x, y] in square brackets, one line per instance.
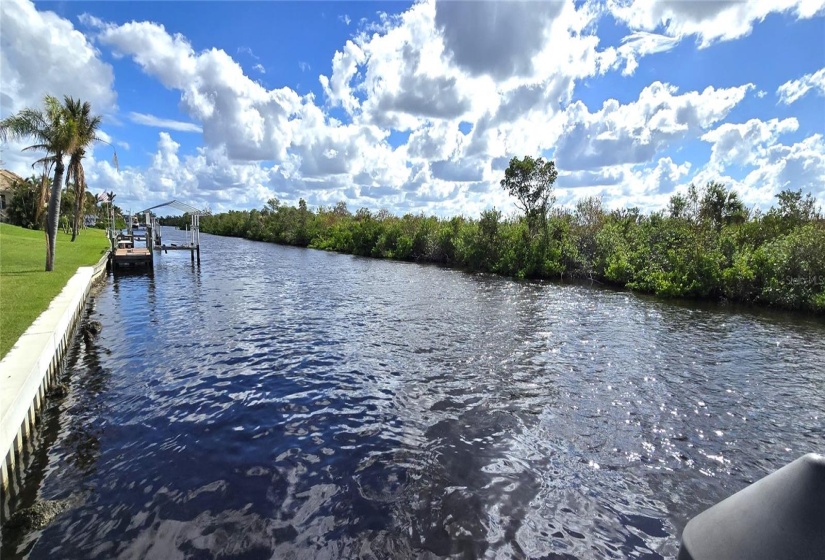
[60, 130]
[87, 127]
[55, 133]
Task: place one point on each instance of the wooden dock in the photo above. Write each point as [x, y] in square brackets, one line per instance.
[132, 257]
[125, 254]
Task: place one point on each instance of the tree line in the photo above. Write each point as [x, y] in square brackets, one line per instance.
[705, 244]
[28, 199]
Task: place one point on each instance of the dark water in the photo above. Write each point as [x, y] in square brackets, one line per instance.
[281, 402]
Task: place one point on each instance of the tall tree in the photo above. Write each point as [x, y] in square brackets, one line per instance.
[59, 133]
[87, 127]
[56, 134]
[530, 181]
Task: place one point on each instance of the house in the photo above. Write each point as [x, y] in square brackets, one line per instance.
[7, 181]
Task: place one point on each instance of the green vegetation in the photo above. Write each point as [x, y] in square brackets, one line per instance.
[28, 202]
[706, 245]
[61, 130]
[25, 289]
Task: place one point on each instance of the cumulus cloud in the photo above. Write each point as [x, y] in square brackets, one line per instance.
[44, 54]
[464, 171]
[772, 165]
[209, 178]
[637, 131]
[709, 21]
[747, 143]
[406, 80]
[460, 88]
[664, 177]
[793, 90]
[798, 166]
[344, 67]
[251, 122]
[495, 38]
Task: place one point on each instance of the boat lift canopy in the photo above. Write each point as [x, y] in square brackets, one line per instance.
[193, 231]
[177, 205]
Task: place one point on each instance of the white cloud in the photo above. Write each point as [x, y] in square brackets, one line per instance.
[662, 178]
[44, 54]
[344, 67]
[635, 46]
[418, 76]
[244, 50]
[406, 80]
[499, 39]
[151, 120]
[745, 144]
[772, 166]
[207, 179]
[708, 21]
[798, 166]
[238, 113]
[793, 90]
[637, 131]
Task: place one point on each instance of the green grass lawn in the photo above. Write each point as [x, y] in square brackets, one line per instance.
[25, 288]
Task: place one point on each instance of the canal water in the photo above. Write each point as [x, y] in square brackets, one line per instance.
[289, 403]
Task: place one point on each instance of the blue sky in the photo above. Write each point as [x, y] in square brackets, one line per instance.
[417, 106]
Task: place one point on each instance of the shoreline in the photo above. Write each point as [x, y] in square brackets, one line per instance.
[30, 368]
[738, 305]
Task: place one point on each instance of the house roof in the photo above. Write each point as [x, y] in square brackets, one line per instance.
[8, 179]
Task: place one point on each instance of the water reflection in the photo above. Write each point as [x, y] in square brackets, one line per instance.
[283, 402]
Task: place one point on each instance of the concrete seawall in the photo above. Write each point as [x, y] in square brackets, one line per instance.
[31, 367]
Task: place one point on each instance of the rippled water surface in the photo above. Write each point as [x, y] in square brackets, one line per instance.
[280, 402]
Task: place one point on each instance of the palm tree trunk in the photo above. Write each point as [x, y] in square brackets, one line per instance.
[42, 196]
[77, 207]
[53, 216]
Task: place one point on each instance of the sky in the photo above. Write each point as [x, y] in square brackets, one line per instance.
[418, 107]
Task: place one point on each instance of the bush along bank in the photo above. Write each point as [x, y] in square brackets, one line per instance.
[706, 244]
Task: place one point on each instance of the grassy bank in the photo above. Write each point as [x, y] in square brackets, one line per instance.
[25, 289]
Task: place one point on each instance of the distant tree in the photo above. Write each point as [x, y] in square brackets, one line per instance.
[22, 209]
[530, 182]
[795, 208]
[341, 210]
[677, 207]
[720, 206]
[272, 205]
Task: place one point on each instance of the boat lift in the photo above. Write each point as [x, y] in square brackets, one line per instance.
[154, 239]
